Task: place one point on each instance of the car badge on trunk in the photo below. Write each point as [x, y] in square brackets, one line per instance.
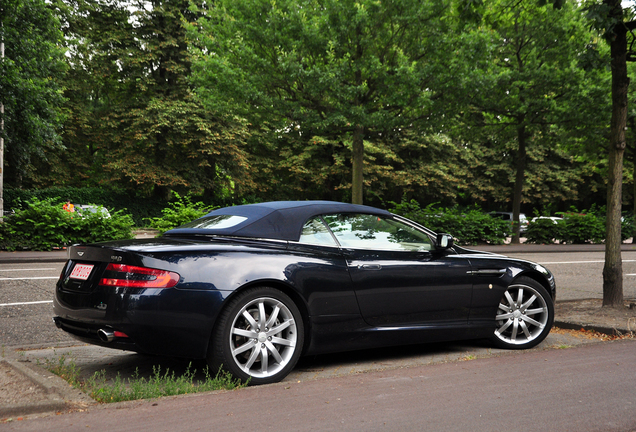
[80, 253]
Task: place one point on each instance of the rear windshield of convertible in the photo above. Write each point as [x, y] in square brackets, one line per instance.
[215, 222]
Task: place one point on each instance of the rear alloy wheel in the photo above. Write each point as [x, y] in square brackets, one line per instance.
[259, 336]
[524, 316]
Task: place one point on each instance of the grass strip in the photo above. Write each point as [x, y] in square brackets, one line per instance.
[126, 389]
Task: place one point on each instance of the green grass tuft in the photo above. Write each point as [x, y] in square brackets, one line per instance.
[126, 389]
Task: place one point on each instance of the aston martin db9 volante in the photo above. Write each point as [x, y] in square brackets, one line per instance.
[251, 288]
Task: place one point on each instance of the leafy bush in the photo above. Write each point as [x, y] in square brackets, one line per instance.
[93, 227]
[584, 227]
[469, 226]
[178, 213]
[44, 225]
[543, 231]
[138, 207]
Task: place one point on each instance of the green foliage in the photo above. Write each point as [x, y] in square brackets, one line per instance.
[469, 226]
[587, 226]
[253, 98]
[519, 76]
[333, 77]
[66, 369]
[93, 227]
[158, 385]
[145, 128]
[138, 207]
[30, 85]
[134, 388]
[178, 213]
[44, 225]
[542, 231]
[577, 227]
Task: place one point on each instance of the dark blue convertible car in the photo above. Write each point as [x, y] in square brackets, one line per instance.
[254, 287]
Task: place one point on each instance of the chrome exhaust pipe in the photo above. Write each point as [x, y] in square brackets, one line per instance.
[105, 335]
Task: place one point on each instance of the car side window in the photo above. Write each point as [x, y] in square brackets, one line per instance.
[315, 232]
[364, 231]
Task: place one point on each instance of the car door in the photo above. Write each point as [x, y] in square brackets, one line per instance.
[398, 275]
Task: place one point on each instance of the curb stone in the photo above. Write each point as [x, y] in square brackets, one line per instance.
[610, 331]
[58, 395]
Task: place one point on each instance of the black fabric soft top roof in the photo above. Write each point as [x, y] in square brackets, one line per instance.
[280, 220]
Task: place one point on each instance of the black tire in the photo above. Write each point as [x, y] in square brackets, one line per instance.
[524, 315]
[239, 342]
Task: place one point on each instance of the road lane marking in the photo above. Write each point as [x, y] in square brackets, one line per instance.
[31, 278]
[35, 269]
[26, 303]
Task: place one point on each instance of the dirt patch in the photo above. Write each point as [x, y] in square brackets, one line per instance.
[590, 314]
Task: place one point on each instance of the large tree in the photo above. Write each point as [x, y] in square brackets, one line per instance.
[135, 122]
[334, 71]
[30, 89]
[617, 25]
[522, 73]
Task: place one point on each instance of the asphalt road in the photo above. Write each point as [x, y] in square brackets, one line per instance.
[26, 304]
[26, 291]
[590, 388]
[579, 275]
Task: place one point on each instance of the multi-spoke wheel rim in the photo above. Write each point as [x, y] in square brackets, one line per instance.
[522, 315]
[263, 337]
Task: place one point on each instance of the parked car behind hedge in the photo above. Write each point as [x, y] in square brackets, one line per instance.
[508, 217]
[575, 227]
[44, 225]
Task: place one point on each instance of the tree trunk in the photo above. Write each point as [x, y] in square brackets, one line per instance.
[357, 160]
[613, 269]
[519, 179]
[632, 127]
[634, 195]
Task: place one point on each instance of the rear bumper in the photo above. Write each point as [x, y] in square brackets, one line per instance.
[90, 334]
[171, 322]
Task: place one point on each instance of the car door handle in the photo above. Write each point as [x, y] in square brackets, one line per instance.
[370, 266]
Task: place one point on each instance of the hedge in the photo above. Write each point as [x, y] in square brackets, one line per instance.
[44, 225]
[469, 226]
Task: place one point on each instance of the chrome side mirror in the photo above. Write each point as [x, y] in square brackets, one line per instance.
[444, 241]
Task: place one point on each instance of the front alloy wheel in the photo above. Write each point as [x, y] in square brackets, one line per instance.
[259, 337]
[524, 315]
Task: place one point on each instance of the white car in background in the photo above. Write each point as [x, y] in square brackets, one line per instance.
[84, 209]
[507, 216]
[554, 219]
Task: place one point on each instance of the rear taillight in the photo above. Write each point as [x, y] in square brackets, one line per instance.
[127, 276]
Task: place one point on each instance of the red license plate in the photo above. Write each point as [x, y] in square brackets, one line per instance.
[81, 271]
